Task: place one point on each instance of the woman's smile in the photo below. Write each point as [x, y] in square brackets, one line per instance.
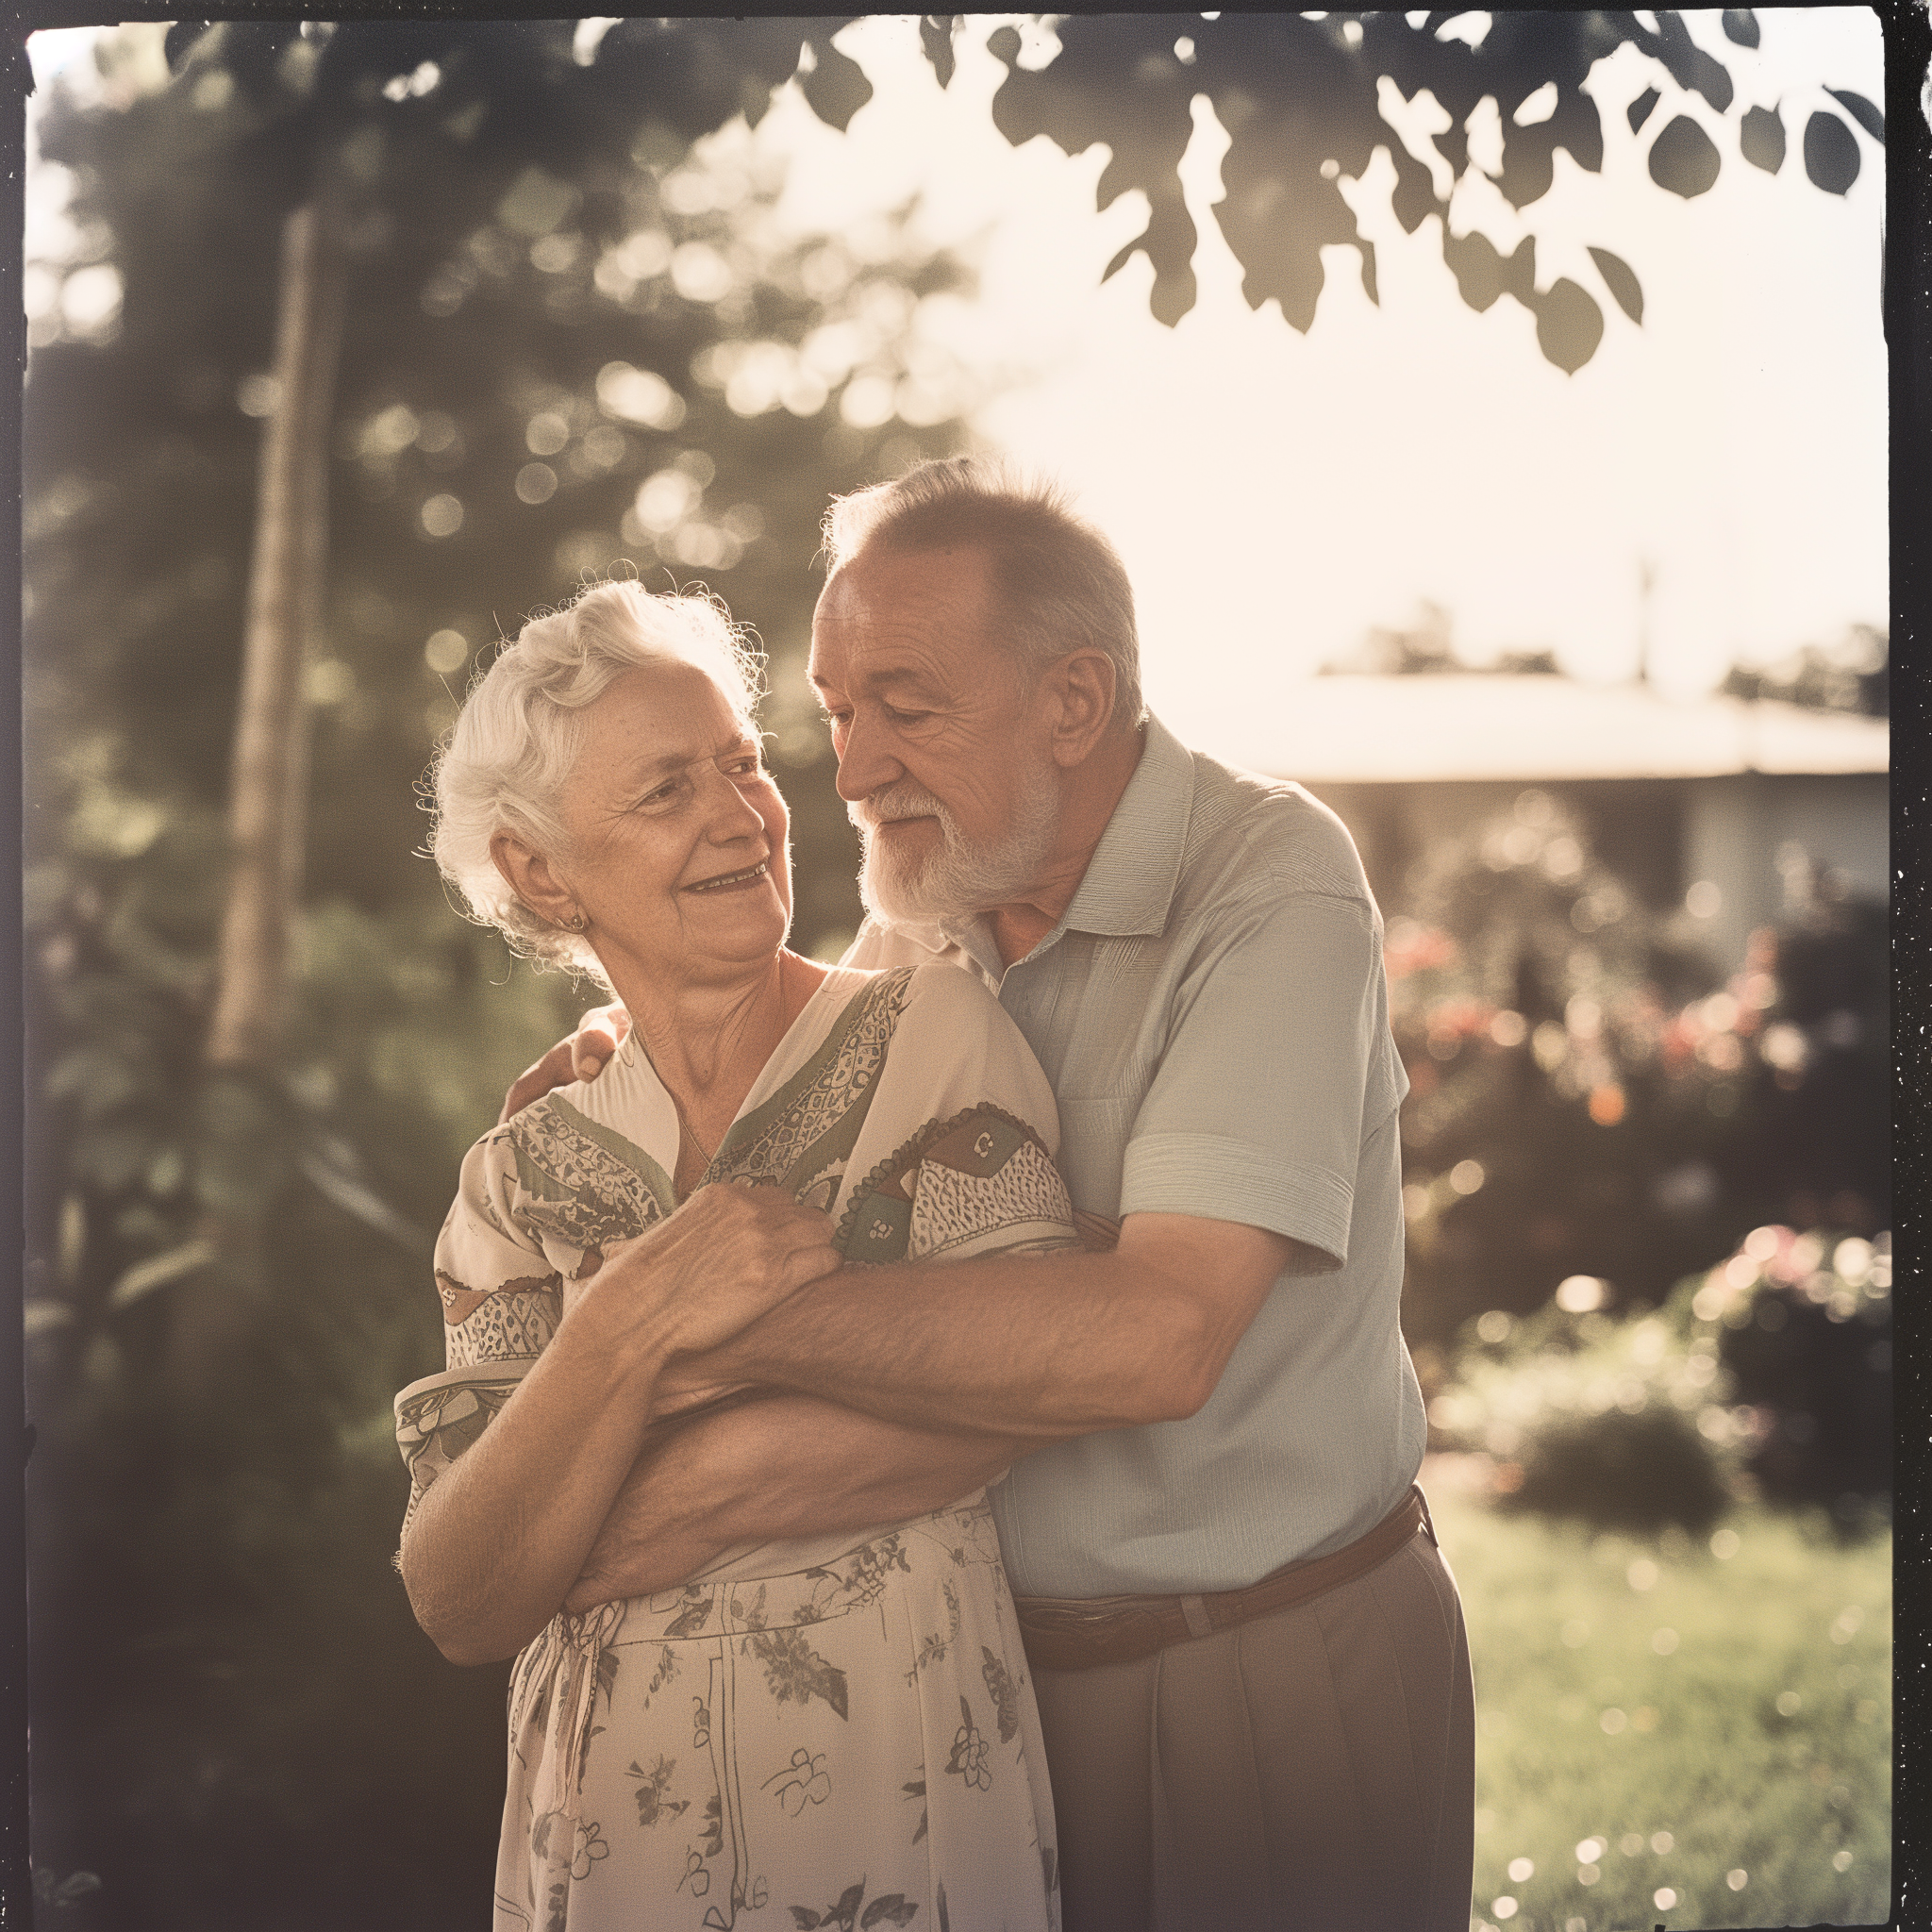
[734, 881]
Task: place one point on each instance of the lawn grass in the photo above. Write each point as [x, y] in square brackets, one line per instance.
[1720, 1725]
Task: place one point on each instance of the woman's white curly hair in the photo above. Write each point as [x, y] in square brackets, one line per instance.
[521, 731]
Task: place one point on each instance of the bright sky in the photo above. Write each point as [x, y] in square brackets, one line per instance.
[1275, 495]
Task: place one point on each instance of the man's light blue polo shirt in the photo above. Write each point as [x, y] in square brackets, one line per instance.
[1212, 1014]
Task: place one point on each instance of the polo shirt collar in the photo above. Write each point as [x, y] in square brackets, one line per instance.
[1130, 882]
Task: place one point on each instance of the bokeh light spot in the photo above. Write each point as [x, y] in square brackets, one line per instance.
[446, 652]
[1579, 1294]
[545, 433]
[442, 516]
[536, 483]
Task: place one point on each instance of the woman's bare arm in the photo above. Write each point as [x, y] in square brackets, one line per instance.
[770, 1466]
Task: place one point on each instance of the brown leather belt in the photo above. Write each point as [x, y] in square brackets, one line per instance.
[1079, 1633]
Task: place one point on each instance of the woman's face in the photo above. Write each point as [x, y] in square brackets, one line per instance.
[677, 834]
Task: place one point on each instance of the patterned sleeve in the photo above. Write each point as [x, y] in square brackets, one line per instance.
[958, 1156]
[500, 1281]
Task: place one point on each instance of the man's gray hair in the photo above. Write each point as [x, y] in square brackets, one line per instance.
[521, 731]
[1059, 583]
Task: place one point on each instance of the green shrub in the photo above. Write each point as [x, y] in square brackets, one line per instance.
[1669, 1416]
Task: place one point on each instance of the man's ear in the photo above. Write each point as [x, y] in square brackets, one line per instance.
[1081, 685]
[528, 875]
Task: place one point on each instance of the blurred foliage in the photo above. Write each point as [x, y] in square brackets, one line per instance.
[1852, 675]
[1769, 1376]
[1426, 648]
[1308, 99]
[1671, 1730]
[578, 340]
[1586, 1096]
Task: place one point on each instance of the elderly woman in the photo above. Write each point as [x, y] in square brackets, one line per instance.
[831, 1730]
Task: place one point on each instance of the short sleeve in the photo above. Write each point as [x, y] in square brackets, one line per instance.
[501, 1287]
[957, 1153]
[1276, 1067]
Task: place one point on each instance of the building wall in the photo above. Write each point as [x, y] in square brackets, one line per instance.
[1660, 836]
[1736, 829]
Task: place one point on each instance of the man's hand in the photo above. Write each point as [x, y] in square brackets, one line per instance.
[582, 1056]
[730, 1254]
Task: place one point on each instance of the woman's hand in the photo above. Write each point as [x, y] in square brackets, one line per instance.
[698, 1278]
[582, 1056]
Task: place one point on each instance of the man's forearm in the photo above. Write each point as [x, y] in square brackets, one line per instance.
[1042, 1346]
[769, 1467]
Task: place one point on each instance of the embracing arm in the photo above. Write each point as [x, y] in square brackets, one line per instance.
[768, 1467]
[492, 1544]
[1041, 1346]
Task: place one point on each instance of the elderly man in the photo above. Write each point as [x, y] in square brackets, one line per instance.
[1249, 1655]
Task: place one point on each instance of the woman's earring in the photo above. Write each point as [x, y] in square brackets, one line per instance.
[578, 921]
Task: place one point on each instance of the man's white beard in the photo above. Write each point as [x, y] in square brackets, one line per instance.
[959, 879]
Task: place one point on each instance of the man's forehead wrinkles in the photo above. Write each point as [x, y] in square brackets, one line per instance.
[872, 666]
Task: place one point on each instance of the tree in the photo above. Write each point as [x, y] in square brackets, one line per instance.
[396, 171]
[350, 139]
[561, 369]
[1305, 101]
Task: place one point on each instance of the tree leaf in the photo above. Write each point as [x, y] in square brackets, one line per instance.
[355, 1197]
[1684, 158]
[1640, 108]
[1569, 325]
[158, 1270]
[1862, 110]
[1741, 24]
[1414, 194]
[837, 87]
[1761, 139]
[936, 31]
[888, 1907]
[1620, 281]
[1688, 64]
[1831, 153]
[179, 40]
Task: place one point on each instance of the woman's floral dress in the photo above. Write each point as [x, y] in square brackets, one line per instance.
[830, 1732]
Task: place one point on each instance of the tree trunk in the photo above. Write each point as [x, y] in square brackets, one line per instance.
[267, 817]
[267, 814]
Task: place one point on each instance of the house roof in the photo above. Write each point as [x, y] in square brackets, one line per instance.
[1380, 730]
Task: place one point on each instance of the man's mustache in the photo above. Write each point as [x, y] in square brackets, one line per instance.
[895, 802]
